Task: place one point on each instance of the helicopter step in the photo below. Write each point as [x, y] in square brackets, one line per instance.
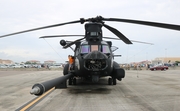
[93, 79]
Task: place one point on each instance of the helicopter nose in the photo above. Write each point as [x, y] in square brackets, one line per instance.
[95, 61]
[95, 55]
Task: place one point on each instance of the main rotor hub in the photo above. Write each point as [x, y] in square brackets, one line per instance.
[95, 19]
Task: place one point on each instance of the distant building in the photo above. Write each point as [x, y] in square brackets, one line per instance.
[6, 62]
[145, 62]
[157, 61]
[33, 61]
[167, 59]
[49, 62]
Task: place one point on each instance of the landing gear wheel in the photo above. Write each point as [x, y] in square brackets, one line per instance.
[74, 81]
[114, 81]
[110, 81]
[66, 68]
[70, 81]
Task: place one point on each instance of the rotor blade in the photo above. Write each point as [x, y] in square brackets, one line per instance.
[55, 25]
[130, 40]
[70, 44]
[54, 36]
[154, 24]
[119, 34]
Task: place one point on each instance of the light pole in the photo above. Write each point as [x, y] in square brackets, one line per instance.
[165, 55]
[146, 56]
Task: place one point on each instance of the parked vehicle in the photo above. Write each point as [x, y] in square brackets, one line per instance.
[3, 66]
[159, 67]
[16, 66]
[56, 66]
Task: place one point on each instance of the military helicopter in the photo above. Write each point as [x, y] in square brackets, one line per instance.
[94, 57]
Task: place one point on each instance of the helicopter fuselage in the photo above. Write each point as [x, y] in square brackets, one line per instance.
[94, 57]
[93, 60]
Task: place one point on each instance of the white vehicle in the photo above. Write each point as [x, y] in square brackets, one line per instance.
[16, 66]
[55, 66]
[3, 66]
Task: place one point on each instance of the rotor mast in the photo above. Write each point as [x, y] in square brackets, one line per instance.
[93, 32]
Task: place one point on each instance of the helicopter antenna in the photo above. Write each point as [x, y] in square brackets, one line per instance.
[54, 50]
[71, 48]
[138, 52]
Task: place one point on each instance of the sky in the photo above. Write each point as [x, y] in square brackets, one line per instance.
[19, 15]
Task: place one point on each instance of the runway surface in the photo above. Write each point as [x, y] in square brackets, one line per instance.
[138, 91]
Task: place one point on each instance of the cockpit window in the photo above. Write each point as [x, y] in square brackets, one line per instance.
[85, 49]
[89, 48]
[105, 49]
[94, 48]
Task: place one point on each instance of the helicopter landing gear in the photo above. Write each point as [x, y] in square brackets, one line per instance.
[112, 81]
[95, 79]
[72, 81]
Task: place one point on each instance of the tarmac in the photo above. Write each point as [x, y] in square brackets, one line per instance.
[140, 90]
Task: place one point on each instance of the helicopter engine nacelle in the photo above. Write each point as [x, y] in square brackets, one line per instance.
[63, 42]
[118, 72]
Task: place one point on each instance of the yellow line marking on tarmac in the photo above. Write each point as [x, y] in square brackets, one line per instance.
[36, 100]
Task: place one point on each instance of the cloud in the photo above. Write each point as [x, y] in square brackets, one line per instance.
[20, 15]
[19, 53]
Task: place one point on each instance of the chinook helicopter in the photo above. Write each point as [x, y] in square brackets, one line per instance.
[93, 56]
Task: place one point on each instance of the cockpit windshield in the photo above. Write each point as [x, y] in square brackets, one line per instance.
[105, 49]
[94, 48]
[89, 48]
[85, 49]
